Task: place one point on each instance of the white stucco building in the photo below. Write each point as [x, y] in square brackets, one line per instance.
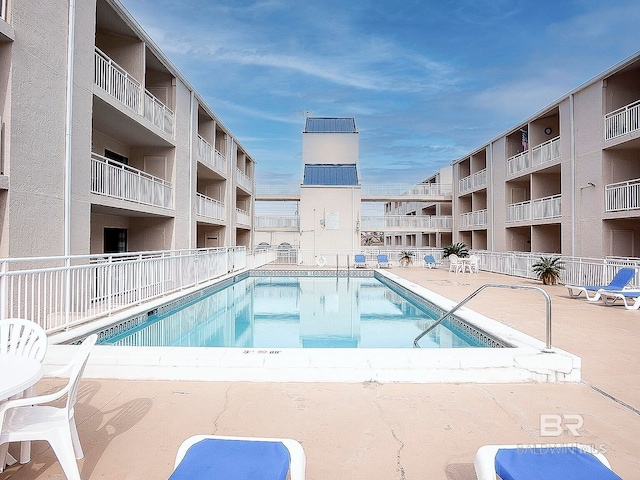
[106, 146]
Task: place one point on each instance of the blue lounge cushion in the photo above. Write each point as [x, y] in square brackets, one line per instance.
[222, 459]
[553, 462]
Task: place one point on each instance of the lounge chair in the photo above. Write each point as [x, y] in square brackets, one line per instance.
[360, 261]
[383, 261]
[239, 458]
[621, 280]
[630, 298]
[529, 462]
[455, 263]
[430, 262]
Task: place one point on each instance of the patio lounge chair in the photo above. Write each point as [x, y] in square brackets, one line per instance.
[430, 262]
[239, 458]
[360, 261]
[630, 298]
[622, 278]
[383, 261]
[530, 462]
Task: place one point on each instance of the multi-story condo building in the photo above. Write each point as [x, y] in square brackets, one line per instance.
[566, 180]
[106, 146]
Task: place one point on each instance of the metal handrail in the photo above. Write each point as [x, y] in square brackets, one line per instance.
[496, 285]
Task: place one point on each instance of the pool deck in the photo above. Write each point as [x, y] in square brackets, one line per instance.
[132, 429]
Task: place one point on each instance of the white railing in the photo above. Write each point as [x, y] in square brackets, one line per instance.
[3, 10]
[116, 81]
[477, 180]
[406, 222]
[243, 180]
[158, 113]
[622, 196]
[477, 218]
[545, 152]
[209, 207]
[622, 121]
[539, 209]
[547, 207]
[220, 162]
[60, 292]
[277, 221]
[408, 207]
[427, 189]
[116, 180]
[204, 150]
[243, 217]
[518, 163]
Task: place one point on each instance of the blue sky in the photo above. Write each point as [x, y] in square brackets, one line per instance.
[427, 81]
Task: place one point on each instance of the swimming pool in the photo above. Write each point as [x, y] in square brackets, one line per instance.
[524, 359]
[293, 311]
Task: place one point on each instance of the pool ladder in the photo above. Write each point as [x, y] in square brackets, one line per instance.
[547, 348]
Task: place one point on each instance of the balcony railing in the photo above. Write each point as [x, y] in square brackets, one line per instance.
[117, 82]
[277, 221]
[410, 222]
[243, 180]
[116, 180]
[622, 196]
[477, 218]
[518, 163]
[209, 207]
[204, 150]
[220, 162]
[539, 209]
[243, 217]
[158, 113]
[477, 180]
[622, 121]
[427, 189]
[545, 152]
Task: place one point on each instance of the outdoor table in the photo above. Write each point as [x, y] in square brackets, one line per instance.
[17, 374]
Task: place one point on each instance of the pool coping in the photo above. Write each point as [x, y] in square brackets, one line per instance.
[526, 361]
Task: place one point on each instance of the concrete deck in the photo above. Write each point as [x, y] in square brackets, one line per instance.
[132, 429]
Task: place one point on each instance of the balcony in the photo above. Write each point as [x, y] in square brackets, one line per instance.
[544, 153]
[209, 208]
[116, 180]
[622, 121]
[539, 209]
[117, 82]
[206, 155]
[477, 180]
[243, 217]
[401, 223]
[622, 196]
[277, 222]
[243, 180]
[477, 218]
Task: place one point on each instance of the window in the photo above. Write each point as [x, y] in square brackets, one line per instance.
[115, 240]
[116, 157]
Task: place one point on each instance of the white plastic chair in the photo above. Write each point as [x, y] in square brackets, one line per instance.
[22, 337]
[472, 264]
[28, 419]
[455, 263]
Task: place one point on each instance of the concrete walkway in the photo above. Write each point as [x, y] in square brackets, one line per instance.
[132, 429]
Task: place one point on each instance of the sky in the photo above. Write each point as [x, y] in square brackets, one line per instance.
[427, 82]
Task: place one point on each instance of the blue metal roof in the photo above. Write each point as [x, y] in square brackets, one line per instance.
[330, 174]
[330, 125]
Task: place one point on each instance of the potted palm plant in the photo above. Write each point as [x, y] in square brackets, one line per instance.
[406, 258]
[459, 249]
[548, 269]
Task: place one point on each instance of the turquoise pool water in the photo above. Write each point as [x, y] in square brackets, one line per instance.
[295, 312]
